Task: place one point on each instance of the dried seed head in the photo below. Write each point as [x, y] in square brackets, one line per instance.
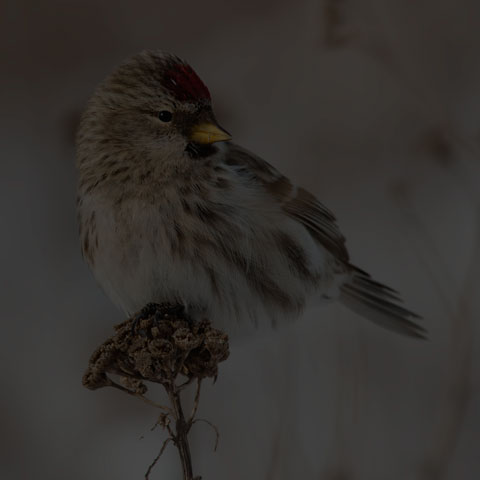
[186, 340]
[157, 344]
[133, 385]
[161, 349]
[216, 342]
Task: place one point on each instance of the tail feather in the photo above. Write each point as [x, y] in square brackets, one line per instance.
[379, 304]
[367, 284]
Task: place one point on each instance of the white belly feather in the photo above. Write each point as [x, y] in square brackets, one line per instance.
[152, 250]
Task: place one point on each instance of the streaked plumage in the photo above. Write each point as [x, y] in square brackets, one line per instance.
[204, 222]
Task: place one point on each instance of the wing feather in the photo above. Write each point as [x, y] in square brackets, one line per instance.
[362, 294]
[298, 203]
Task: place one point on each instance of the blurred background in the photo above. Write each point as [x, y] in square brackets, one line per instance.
[374, 106]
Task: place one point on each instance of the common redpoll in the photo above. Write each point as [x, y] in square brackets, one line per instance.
[170, 210]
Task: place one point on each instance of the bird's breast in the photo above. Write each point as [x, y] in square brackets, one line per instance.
[225, 256]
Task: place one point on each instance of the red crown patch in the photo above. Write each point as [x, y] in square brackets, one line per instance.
[185, 84]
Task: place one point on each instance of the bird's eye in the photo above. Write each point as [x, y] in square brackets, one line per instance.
[165, 116]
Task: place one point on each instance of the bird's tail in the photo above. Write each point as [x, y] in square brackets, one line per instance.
[380, 304]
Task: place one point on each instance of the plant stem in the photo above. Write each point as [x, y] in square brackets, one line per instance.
[181, 434]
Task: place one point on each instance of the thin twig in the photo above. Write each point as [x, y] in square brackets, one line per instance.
[185, 384]
[180, 365]
[214, 428]
[157, 458]
[139, 395]
[163, 421]
[181, 431]
[195, 403]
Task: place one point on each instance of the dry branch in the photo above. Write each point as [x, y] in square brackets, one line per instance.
[160, 344]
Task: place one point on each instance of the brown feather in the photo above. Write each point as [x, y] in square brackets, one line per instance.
[297, 203]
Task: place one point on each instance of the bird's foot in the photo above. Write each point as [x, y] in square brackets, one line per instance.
[147, 311]
[173, 310]
[158, 312]
[167, 310]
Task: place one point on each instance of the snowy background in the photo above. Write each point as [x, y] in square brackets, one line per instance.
[373, 105]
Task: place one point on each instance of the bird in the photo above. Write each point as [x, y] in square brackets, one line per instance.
[171, 210]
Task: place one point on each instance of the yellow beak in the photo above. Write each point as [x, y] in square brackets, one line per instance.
[208, 133]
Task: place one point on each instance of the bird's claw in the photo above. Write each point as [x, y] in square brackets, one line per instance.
[158, 312]
[147, 311]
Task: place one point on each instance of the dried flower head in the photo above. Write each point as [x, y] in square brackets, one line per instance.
[157, 345]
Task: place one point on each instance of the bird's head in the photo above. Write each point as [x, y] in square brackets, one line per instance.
[153, 105]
